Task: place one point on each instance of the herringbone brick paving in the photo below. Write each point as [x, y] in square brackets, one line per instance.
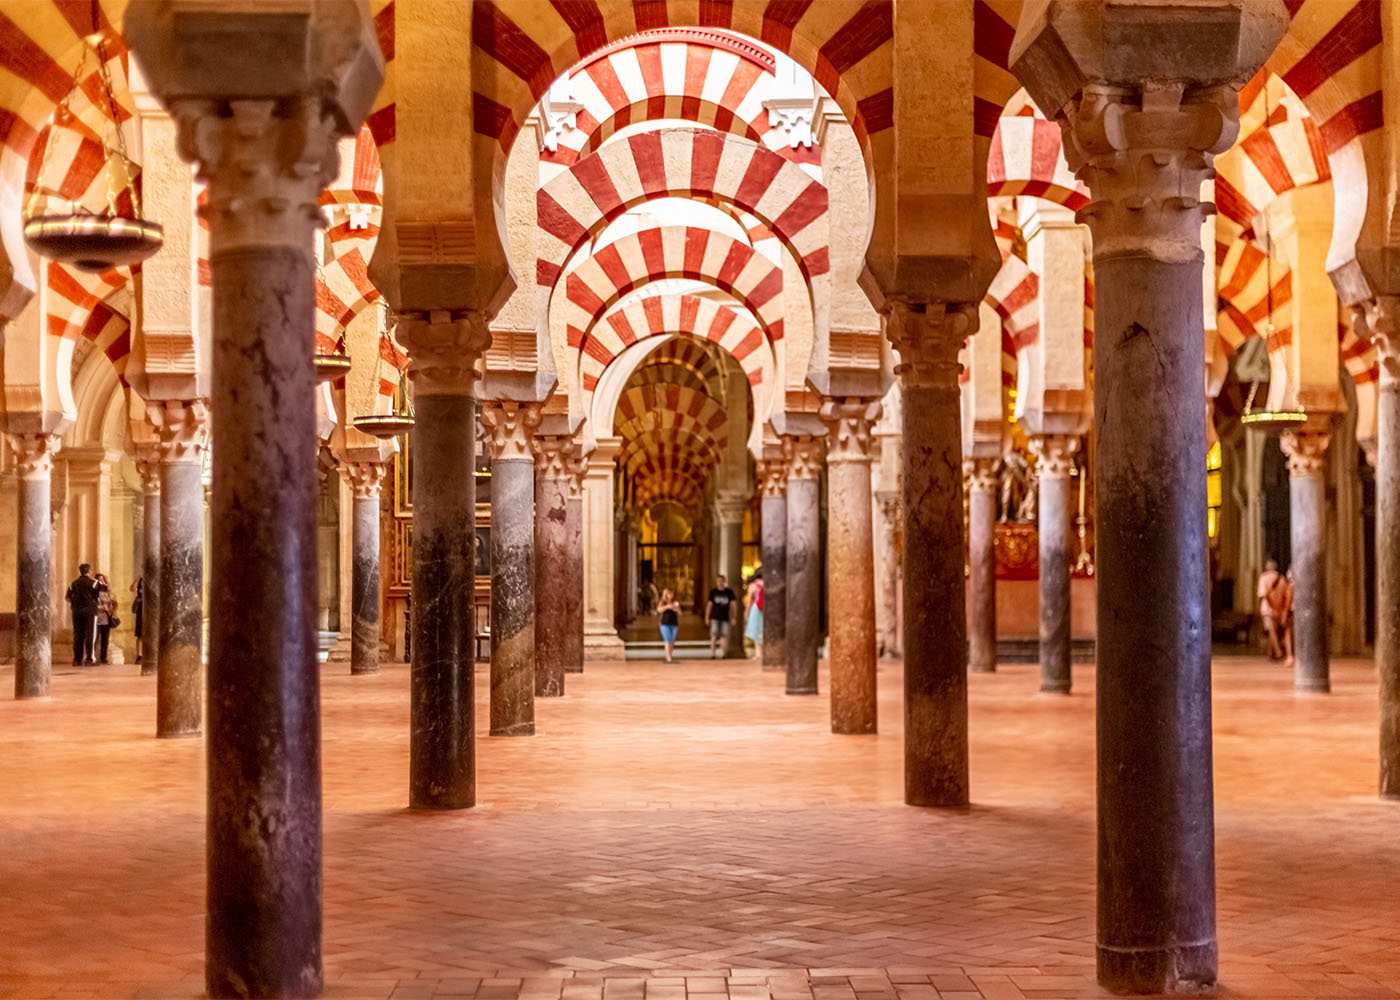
[690, 833]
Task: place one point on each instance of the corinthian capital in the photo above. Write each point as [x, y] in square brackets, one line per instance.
[578, 471]
[33, 454]
[553, 455]
[1306, 451]
[147, 457]
[182, 428]
[1379, 321]
[981, 474]
[444, 348]
[509, 427]
[366, 478]
[1054, 454]
[772, 477]
[849, 422]
[802, 455]
[928, 338]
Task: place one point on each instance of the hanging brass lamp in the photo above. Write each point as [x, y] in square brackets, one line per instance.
[334, 365]
[389, 425]
[87, 240]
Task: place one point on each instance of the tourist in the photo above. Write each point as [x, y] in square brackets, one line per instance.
[753, 613]
[1270, 595]
[138, 606]
[106, 616]
[717, 616]
[1284, 611]
[82, 601]
[670, 612]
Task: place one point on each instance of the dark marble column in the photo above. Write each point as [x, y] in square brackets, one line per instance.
[1055, 459]
[803, 456]
[573, 536]
[554, 644]
[182, 427]
[935, 616]
[772, 477]
[365, 486]
[149, 467]
[982, 563]
[850, 557]
[33, 643]
[1307, 502]
[1381, 316]
[509, 427]
[730, 509]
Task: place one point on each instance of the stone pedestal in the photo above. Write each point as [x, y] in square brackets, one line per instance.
[851, 645]
[935, 623]
[730, 510]
[182, 428]
[1055, 460]
[803, 457]
[365, 485]
[981, 476]
[1307, 502]
[772, 478]
[509, 427]
[149, 467]
[1382, 319]
[33, 626]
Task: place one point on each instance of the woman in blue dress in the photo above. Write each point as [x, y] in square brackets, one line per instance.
[753, 603]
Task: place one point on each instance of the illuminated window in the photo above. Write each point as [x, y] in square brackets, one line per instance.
[1213, 490]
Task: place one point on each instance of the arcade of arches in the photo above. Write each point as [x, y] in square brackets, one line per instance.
[1008, 339]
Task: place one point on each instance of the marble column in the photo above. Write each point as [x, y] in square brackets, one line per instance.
[1307, 533]
[928, 337]
[1054, 460]
[729, 508]
[772, 478]
[887, 593]
[850, 557]
[1381, 317]
[444, 348]
[33, 570]
[148, 465]
[803, 456]
[510, 426]
[553, 564]
[182, 430]
[366, 480]
[1143, 143]
[601, 640]
[573, 537]
[982, 563]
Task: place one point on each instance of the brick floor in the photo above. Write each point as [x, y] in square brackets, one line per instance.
[690, 833]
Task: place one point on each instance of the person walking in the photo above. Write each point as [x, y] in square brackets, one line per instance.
[670, 611]
[717, 614]
[138, 605]
[753, 613]
[106, 617]
[82, 602]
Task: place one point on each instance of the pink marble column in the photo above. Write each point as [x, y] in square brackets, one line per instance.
[803, 456]
[573, 537]
[554, 537]
[982, 563]
[850, 564]
[1307, 501]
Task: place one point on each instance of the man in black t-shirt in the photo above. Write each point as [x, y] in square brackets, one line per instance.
[718, 613]
[82, 598]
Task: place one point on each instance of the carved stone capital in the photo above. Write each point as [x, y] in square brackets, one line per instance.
[33, 454]
[772, 477]
[444, 348]
[849, 423]
[1378, 320]
[802, 455]
[578, 472]
[890, 505]
[1306, 451]
[147, 457]
[928, 338]
[510, 427]
[1054, 455]
[553, 455]
[366, 478]
[730, 507]
[981, 474]
[182, 428]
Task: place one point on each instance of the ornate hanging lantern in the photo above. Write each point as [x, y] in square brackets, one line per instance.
[334, 365]
[389, 425]
[87, 240]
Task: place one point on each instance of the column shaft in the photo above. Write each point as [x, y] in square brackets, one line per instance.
[554, 641]
[774, 542]
[803, 567]
[364, 584]
[1388, 569]
[179, 685]
[33, 649]
[1307, 502]
[150, 580]
[982, 567]
[264, 811]
[512, 597]
[1054, 575]
[888, 617]
[731, 564]
[573, 606]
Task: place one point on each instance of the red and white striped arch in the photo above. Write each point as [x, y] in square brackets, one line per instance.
[1253, 290]
[1027, 159]
[685, 163]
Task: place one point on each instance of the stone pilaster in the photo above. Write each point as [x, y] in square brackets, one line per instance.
[366, 479]
[980, 476]
[729, 510]
[148, 466]
[182, 430]
[1144, 102]
[928, 337]
[510, 427]
[33, 455]
[1380, 317]
[444, 348]
[772, 487]
[555, 535]
[1054, 464]
[1307, 502]
[802, 454]
[850, 547]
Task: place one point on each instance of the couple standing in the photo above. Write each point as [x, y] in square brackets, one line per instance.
[94, 609]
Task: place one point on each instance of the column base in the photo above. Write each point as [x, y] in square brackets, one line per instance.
[518, 729]
[1185, 970]
[361, 671]
[802, 691]
[603, 646]
[1312, 686]
[1055, 688]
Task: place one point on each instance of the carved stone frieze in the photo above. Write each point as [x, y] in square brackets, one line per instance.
[510, 428]
[849, 424]
[1306, 451]
[182, 428]
[444, 348]
[928, 339]
[1054, 455]
[802, 455]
